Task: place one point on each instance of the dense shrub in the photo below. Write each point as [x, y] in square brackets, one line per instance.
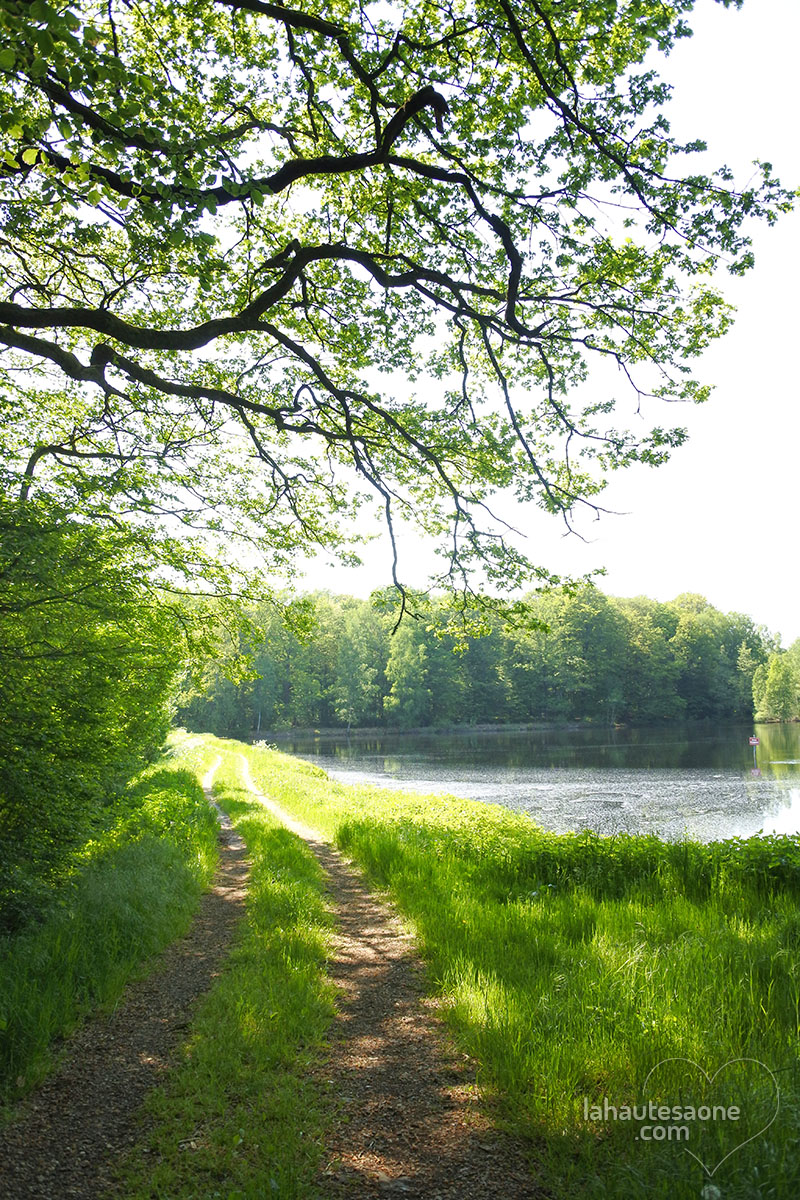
[87, 657]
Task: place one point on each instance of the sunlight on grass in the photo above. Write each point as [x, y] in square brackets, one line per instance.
[586, 976]
[127, 894]
[244, 1112]
[572, 965]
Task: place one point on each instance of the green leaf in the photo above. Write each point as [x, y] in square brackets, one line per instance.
[41, 11]
[44, 42]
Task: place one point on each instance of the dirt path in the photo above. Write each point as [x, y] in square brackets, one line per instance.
[412, 1124]
[71, 1131]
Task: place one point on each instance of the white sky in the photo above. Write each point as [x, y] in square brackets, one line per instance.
[720, 518]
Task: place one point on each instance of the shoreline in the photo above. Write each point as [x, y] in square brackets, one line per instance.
[338, 731]
[254, 737]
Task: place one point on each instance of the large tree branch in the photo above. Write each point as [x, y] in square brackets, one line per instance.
[293, 18]
[230, 191]
[133, 137]
[294, 259]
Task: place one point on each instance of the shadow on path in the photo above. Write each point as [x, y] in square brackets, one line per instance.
[411, 1121]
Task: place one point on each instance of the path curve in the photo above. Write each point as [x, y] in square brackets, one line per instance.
[412, 1123]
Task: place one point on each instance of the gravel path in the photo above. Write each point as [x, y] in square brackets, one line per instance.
[73, 1128]
[411, 1120]
[411, 1123]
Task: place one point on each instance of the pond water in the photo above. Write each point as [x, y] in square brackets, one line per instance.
[697, 781]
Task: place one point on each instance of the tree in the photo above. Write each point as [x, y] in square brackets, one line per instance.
[486, 689]
[363, 653]
[410, 701]
[228, 227]
[697, 647]
[775, 690]
[793, 654]
[651, 670]
[89, 651]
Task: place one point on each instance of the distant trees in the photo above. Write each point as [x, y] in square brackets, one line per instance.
[776, 686]
[575, 656]
[716, 654]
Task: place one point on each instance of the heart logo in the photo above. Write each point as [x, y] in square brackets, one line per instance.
[747, 1070]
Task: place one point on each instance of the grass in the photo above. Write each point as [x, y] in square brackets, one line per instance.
[243, 1115]
[126, 895]
[573, 966]
[589, 977]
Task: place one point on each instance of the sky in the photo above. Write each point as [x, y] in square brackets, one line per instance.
[720, 518]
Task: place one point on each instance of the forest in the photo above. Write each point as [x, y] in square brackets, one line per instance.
[90, 652]
[576, 655]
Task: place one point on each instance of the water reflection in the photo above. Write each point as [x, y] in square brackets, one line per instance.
[687, 781]
[787, 818]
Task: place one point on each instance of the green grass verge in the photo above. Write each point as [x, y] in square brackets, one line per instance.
[574, 965]
[126, 895]
[243, 1114]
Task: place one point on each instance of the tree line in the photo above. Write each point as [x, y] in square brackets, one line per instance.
[576, 656]
[99, 653]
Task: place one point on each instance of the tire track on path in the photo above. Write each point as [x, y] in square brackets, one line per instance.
[69, 1134]
[412, 1123]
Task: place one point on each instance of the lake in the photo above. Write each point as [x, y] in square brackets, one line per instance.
[696, 781]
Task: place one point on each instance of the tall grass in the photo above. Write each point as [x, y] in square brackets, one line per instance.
[127, 894]
[572, 966]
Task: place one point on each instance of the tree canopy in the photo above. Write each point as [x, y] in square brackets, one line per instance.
[263, 264]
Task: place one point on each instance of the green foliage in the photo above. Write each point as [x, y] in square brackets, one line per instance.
[575, 655]
[776, 687]
[318, 661]
[127, 893]
[230, 229]
[89, 649]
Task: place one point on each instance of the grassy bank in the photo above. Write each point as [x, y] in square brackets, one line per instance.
[584, 975]
[242, 1116]
[575, 966]
[125, 895]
